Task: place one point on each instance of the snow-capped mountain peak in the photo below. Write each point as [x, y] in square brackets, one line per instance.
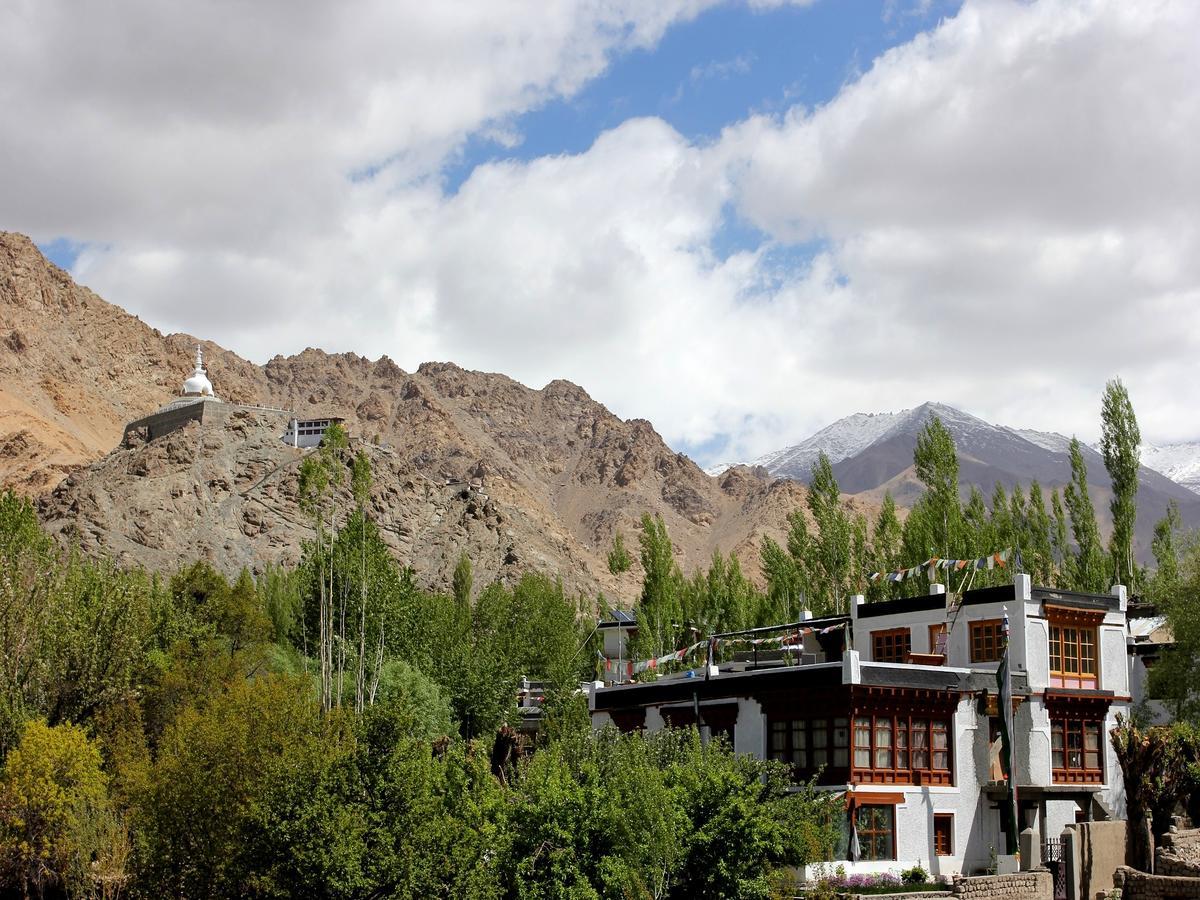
[1179, 462]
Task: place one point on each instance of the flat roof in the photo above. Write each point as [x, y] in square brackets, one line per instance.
[680, 687]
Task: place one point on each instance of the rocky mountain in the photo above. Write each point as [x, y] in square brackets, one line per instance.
[560, 472]
[873, 453]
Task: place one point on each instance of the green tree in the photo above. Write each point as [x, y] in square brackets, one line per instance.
[660, 609]
[936, 461]
[885, 546]
[784, 595]
[1176, 677]
[1120, 439]
[1038, 548]
[462, 581]
[721, 599]
[1065, 575]
[198, 820]
[1165, 547]
[977, 526]
[321, 474]
[54, 811]
[75, 634]
[619, 560]
[1088, 568]
[830, 555]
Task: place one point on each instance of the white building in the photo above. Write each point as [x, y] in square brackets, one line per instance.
[906, 723]
[308, 432]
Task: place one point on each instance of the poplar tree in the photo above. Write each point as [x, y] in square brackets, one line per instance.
[1166, 552]
[1061, 543]
[1088, 574]
[1038, 550]
[784, 595]
[1120, 438]
[1000, 521]
[976, 524]
[462, 581]
[360, 486]
[831, 549]
[659, 608]
[619, 560]
[936, 461]
[885, 547]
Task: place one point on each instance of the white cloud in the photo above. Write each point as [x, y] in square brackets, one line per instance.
[1005, 210]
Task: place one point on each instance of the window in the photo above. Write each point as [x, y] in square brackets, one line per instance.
[938, 638]
[1072, 656]
[901, 749]
[876, 827]
[811, 744]
[892, 645]
[987, 641]
[943, 834]
[1073, 634]
[1075, 751]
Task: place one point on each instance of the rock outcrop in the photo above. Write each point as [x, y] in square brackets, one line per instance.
[561, 473]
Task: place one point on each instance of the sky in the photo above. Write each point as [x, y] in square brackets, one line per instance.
[739, 220]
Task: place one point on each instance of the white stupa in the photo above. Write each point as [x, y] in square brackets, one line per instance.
[197, 384]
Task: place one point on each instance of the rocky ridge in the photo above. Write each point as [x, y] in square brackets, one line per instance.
[561, 473]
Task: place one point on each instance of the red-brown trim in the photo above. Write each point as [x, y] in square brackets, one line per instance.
[1074, 617]
[996, 626]
[948, 818]
[873, 798]
[896, 634]
[864, 801]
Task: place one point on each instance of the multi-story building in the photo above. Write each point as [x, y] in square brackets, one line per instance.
[899, 710]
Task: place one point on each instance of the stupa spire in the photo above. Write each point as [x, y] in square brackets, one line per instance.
[197, 384]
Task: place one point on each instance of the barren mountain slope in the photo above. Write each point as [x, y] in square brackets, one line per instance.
[563, 472]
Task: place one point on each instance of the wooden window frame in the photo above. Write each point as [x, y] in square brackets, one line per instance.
[811, 744]
[986, 637]
[901, 748]
[935, 630]
[871, 833]
[895, 644]
[1074, 661]
[943, 823]
[1063, 769]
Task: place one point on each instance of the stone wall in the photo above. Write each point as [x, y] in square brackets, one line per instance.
[1035, 885]
[1137, 885]
[1179, 854]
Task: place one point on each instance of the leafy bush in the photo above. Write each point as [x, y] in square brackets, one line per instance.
[915, 875]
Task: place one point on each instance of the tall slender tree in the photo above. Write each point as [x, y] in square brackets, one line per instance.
[885, 547]
[1088, 570]
[1038, 551]
[1120, 439]
[360, 484]
[660, 608]
[1064, 562]
[831, 549]
[936, 461]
